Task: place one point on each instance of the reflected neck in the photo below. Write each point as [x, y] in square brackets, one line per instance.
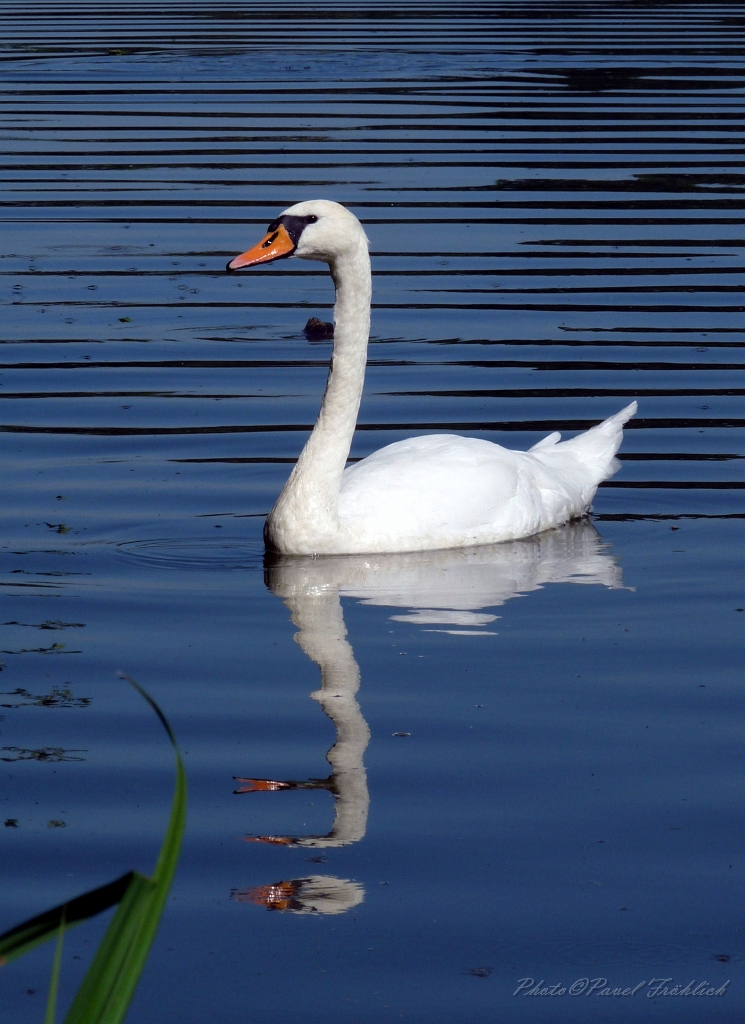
[323, 637]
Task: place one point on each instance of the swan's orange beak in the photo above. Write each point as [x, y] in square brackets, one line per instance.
[275, 246]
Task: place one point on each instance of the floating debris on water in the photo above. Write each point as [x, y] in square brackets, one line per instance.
[53, 754]
[59, 697]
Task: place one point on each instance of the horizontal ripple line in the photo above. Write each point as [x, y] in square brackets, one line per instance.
[510, 425]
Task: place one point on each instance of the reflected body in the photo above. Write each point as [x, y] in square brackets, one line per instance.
[316, 894]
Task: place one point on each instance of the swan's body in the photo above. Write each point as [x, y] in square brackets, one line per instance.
[424, 493]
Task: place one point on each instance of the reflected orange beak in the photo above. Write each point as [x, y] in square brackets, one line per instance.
[274, 246]
[261, 786]
[273, 897]
[275, 840]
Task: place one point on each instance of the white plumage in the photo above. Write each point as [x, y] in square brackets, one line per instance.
[423, 493]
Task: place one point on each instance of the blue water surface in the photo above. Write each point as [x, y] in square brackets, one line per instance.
[418, 784]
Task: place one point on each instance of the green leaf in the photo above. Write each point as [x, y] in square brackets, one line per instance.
[24, 937]
[110, 983]
[51, 1013]
[108, 987]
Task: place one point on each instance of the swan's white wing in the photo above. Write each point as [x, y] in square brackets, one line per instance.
[432, 483]
[443, 490]
[547, 442]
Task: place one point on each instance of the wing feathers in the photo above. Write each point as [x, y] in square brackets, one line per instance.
[547, 442]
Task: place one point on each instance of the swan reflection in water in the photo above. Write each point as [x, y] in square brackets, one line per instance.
[317, 894]
[443, 589]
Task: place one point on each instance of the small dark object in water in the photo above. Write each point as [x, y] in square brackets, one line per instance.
[11, 822]
[600, 79]
[479, 972]
[400, 734]
[723, 958]
[318, 330]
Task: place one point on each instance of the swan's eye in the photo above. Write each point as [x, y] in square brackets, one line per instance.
[312, 219]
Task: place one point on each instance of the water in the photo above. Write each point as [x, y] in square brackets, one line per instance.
[534, 751]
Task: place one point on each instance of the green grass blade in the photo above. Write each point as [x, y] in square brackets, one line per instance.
[169, 851]
[108, 987]
[24, 937]
[110, 983]
[51, 1013]
[109, 967]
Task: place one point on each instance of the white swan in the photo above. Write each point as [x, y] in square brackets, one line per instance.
[424, 493]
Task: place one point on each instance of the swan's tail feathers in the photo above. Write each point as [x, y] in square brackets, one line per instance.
[547, 442]
[598, 445]
[612, 426]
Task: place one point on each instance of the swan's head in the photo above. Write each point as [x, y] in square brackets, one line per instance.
[314, 230]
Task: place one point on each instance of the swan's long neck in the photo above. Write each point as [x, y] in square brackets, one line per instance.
[308, 504]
